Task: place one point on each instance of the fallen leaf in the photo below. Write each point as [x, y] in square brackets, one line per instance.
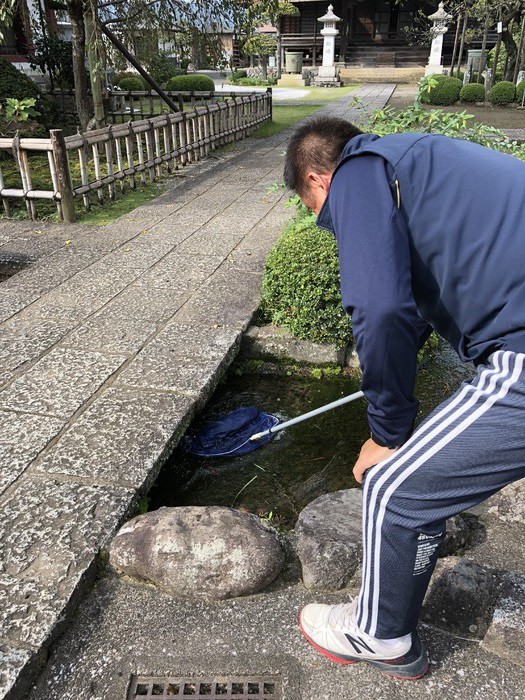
[68, 242]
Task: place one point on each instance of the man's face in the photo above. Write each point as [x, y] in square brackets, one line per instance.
[316, 190]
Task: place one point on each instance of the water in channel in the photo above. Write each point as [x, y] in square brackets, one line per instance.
[306, 460]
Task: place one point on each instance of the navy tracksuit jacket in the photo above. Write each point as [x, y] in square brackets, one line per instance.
[431, 233]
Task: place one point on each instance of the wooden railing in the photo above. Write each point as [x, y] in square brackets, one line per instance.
[119, 155]
[124, 105]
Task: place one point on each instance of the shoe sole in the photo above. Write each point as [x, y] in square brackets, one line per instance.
[411, 672]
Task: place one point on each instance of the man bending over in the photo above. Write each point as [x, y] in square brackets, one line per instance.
[431, 235]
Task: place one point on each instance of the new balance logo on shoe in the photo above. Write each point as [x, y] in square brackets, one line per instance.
[358, 643]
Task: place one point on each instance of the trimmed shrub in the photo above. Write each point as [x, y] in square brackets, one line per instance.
[473, 92]
[237, 74]
[134, 84]
[502, 93]
[183, 83]
[130, 74]
[520, 89]
[446, 92]
[14, 83]
[301, 289]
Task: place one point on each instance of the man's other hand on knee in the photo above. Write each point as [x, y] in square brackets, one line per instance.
[370, 455]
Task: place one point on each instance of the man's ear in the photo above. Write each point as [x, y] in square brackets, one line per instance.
[319, 180]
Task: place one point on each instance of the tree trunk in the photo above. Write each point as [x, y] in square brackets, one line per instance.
[96, 70]
[264, 65]
[512, 53]
[83, 101]
[279, 66]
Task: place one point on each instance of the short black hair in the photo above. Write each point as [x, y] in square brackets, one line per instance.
[316, 146]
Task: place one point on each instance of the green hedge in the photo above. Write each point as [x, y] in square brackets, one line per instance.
[446, 92]
[183, 83]
[134, 84]
[237, 74]
[301, 289]
[520, 88]
[502, 93]
[14, 83]
[473, 92]
[129, 74]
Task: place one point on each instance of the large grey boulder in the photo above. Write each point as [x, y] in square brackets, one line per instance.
[204, 553]
[461, 597]
[506, 633]
[328, 540]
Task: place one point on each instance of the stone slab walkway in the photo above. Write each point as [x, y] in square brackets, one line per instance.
[111, 340]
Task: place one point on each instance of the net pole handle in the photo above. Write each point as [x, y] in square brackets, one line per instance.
[310, 414]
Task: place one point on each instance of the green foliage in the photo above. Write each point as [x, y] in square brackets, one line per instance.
[502, 93]
[54, 56]
[520, 88]
[301, 290]
[181, 83]
[133, 84]
[18, 115]
[445, 91]
[238, 74]
[14, 83]
[260, 44]
[185, 62]
[437, 121]
[162, 68]
[473, 92]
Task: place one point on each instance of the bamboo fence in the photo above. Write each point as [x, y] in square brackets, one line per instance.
[119, 156]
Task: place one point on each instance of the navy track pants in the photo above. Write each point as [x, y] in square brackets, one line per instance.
[471, 446]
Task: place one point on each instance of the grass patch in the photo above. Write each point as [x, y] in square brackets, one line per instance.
[109, 211]
[322, 95]
[283, 117]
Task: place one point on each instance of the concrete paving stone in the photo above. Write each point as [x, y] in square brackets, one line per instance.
[50, 532]
[110, 332]
[223, 300]
[22, 438]
[75, 308]
[138, 254]
[121, 438]
[17, 666]
[211, 240]
[173, 231]
[25, 338]
[31, 248]
[176, 339]
[99, 276]
[150, 304]
[180, 271]
[59, 383]
[49, 271]
[11, 303]
[188, 375]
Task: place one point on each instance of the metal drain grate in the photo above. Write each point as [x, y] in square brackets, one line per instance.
[220, 688]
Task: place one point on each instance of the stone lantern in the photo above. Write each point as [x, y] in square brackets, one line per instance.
[440, 21]
[327, 72]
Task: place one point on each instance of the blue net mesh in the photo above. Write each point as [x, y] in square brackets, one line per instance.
[231, 434]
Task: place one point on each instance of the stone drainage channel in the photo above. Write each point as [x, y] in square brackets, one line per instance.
[307, 537]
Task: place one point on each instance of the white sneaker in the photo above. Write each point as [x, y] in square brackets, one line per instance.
[333, 630]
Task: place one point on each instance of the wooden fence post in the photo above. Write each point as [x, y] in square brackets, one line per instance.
[269, 92]
[63, 175]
